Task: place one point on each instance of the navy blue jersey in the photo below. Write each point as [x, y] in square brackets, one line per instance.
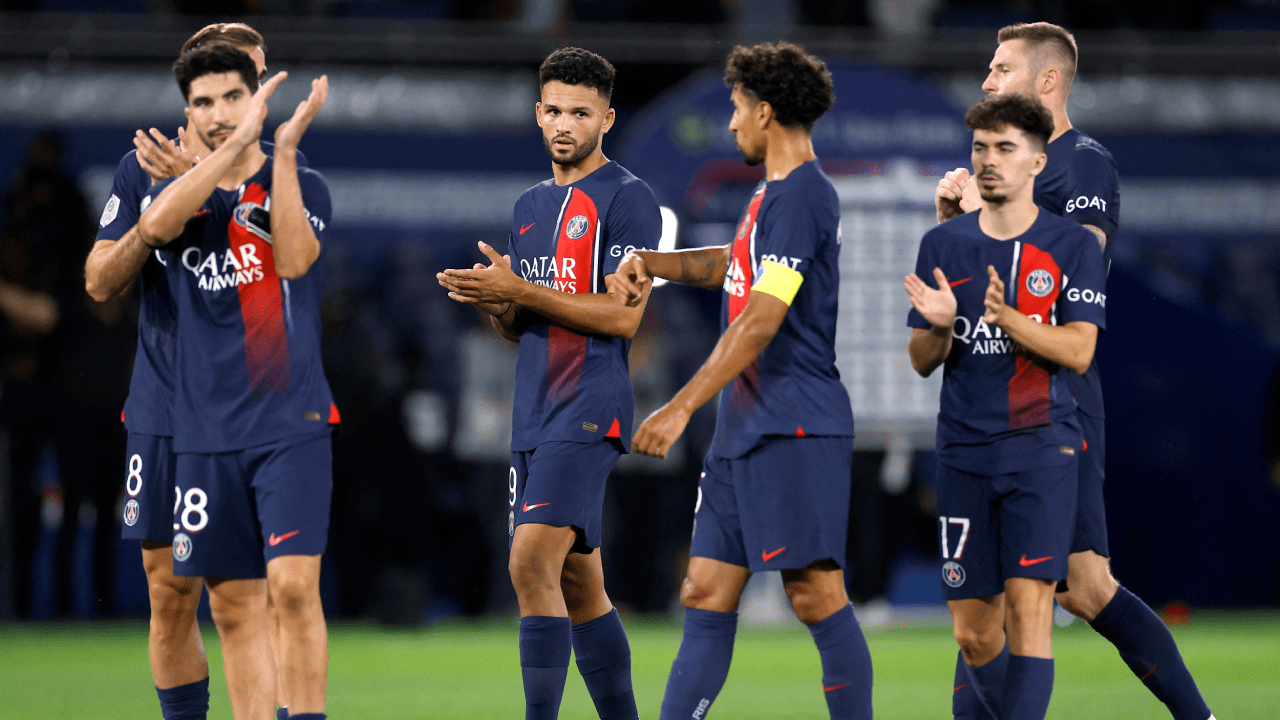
[792, 388]
[573, 387]
[148, 410]
[1080, 183]
[248, 349]
[999, 405]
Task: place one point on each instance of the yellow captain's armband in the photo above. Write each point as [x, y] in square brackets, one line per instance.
[779, 281]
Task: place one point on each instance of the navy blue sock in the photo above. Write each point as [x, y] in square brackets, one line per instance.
[185, 702]
[988, 682]
[965, 703]
[545, 647]
[282, 713]
[1147, 647]
[846, 665]
[701, 665]
[604, 659]
[305, 716]
[1027, 688]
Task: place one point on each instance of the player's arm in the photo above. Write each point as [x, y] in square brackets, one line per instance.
[929, 347]
[113, 264]
[1069, 345]
[168, 214]
[700, 267]
[293, 240]
[1102, 236]
[29, 311]
[740, 345]
[604, 313]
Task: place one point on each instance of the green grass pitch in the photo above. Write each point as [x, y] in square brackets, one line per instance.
[470, 670]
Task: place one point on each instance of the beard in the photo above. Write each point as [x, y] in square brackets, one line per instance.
[995, 197]
[575, 156]
[748, 158]
[215, 143]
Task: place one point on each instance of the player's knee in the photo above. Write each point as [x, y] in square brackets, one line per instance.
[696, 592]
[173, 598]
[293, 594]
[1086, 600]
[530, 575]
[808, 601]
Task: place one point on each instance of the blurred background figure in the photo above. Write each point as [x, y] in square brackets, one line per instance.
[429, 137]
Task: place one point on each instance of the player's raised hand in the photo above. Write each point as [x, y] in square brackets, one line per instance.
[937, 306]
[660, 431]
[250, 129]
[950, 194]
[491, 288]
[994, 301]
[161, 157]
[632, 277]
[289, 134]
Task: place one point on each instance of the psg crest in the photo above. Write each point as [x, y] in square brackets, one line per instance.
[511, 524]
[131, 513]
[1039, 283]
[254, 218]
[577, 227]
[181, 547]
[952, 574]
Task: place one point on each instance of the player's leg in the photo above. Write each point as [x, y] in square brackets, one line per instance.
[175, 648]
[1029, 619]
[273, 628]
[1037, 517]
[710, 593]
[983, 662]
[239, 609]
[293, 485]
[179, 666]
[973, 587]
[537, 559]
[1144, 643]
[303, 654]
[600, 644]
[817, 595]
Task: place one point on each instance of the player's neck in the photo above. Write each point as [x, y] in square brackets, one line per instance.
[569, 174]
[788, 149]
[1009, 219]
[245, 166]
[1061, 123]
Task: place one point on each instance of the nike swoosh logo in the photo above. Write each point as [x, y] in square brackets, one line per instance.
[960, 688]
[528, 507]
[834, 687]
[526, 227]
[274, 541]
[959, 282]
[1024, 562]
[771, 555]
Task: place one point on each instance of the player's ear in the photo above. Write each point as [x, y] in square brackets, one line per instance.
[1041, 160]
[187, 111]
[1050, 81]
[764, 114]
[609, 117]
[537, 112]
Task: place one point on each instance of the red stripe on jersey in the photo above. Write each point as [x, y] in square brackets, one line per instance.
[334, 417]
[266, 341]
[566, 349]
[1029, 400]
[745, 390]
[615, 430]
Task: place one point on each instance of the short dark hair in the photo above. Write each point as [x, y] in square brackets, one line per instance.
[1047, 36]
[575, 66]
[214, 59]
[1012, 110]
[237, 34]
[798, 86]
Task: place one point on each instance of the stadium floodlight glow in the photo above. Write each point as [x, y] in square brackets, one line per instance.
[667, 240]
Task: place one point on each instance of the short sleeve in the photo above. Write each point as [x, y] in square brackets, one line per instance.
[789, 230]
[633, 222]
[123, 207]
[315, 201]
[1084, 296]
[926, 261]
[1093, 197]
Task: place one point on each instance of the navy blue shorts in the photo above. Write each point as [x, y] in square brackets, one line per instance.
[1091, 511]
[782, 506]
[148, 488]
[241, 509]
[995, 527]
[562, 484]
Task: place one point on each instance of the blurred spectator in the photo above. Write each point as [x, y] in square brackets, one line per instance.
[65, 369]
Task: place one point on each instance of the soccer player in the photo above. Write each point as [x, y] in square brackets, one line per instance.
[1008, 439]
[178, 662]
[774, 491]
[1080, 183]
[573, 403]
[251, 408]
